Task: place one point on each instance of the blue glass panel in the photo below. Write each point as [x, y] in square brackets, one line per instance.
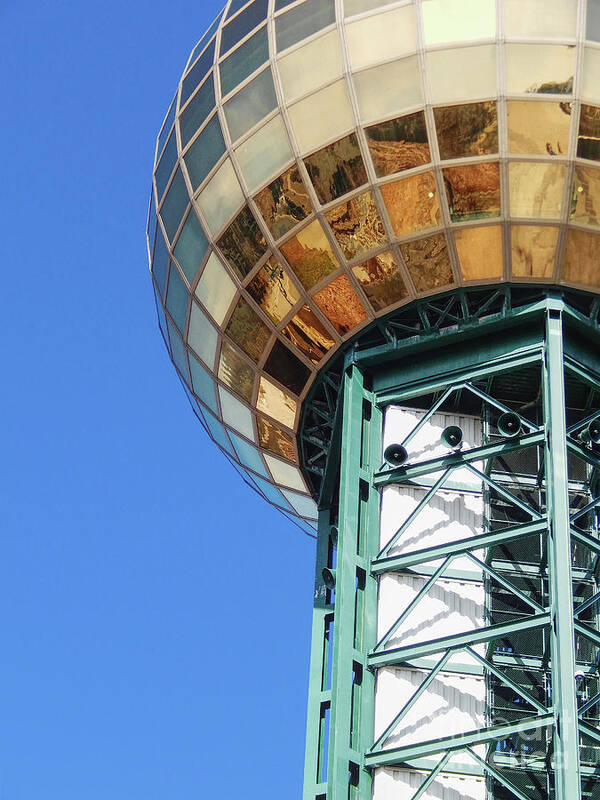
[197, 72]
[151, 219]
[303, 525]
[162, 320]
[279, 4]
[205, 152]
[248, 455]
[217, 431]
[272, 494]
[160, 262]
[178, 353]
[191, 246]
[164, 132]
[166, 165]
[198, 110]
[205, 38]
[303, 21]
[174, 205]
[243, 61]
[251, 104]
[177, 298]
[305, 506]
[235, 30]
[235, 6]
[203, 384]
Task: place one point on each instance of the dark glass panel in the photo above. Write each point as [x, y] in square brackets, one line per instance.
[177, 299]
[191, 247]
[468, 130]
[197, 111]
[588, 141]
[205, 152]
[243, 61]
[197, 72]
[235, 30]
[283, 365]
[174, 204]
[243, 244]
[166, 165]
[160, 261]
[303, 21]
[336, 169]
[308, 334]
[247, 330]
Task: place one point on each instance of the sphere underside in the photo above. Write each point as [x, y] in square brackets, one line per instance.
[324, 163]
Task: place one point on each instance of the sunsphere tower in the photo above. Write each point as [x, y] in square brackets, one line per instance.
[375, 245]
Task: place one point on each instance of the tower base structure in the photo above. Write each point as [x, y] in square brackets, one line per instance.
[456, 644]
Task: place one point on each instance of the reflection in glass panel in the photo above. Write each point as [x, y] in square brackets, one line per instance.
[538, 127]
[462, 74]
[399, 144]
[250, 104]
[197, 72]
[340, 304]
[247, 330]
[588, 140]
[166, 126]
[284, 474]
[539, 19]
[458, 20]
[590, 87]
[160, 261]
[236, 372]
[272, 438]
[235, 30]
[322, 116]
[243, 61]
[248, 455]
[314, 64]
[585, 205]
[428, 262]
[205, 152]
[191, 247]
[357, 225]
[536, 190]
[369, 41]
[308, 333]
[582, 258]
[243, 243]
[473, 191]
[336, 169]
[592, 31]
[197, 111]
[166, 165]
[286, 368]
[480, 252]
[236, 414]
[177, 298]
[265, 153]
[273, 290]
[202, 337]
[310, 255]
[303, 21]
[412, 203]
[544, 68]
[217, 431]
[381, 280]
[203, 384]
[276, 403]
[174, 204]
[178, 352]
[215, 289]
[305, 506]
[220, 197]
[467, 130]
[284, 202]
[377, 89]
[533, 250]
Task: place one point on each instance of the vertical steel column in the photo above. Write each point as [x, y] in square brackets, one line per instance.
[562, 633]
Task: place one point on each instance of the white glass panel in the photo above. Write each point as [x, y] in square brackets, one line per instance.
[202, 337]
[304, 506]
[547, 68]
[221, 197]
[311, 66]
[265, 153]
[369, 40]
[458, 20]
[462, 74]
[236, 414]
[321, 117]
[590, 85]
[215, 289]
[540, 18]
[377, 89]
[284, 473]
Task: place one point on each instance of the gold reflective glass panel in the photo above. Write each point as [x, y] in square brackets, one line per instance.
[585, 205]
[273, 290]
[336, 169]
[588, 140]
[536, 190]
[340, 304]
[357, 225]
[276, 403]
[284, 203]
[247, 330]
[467, 130]
[236, 372]
[243, 244]
[308, 334]
[381, 280]
[539, 68]
[582, 258]
[533, 250]
[399, 144]
[539, 127]
[479, 252]
[428, 262]
[473, 191]
[412, 203]
[272, 438]
[310, 255]
[286, 368]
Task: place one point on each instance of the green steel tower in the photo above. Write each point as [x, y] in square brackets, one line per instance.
[374, 239]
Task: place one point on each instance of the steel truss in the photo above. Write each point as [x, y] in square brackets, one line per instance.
[538, 555]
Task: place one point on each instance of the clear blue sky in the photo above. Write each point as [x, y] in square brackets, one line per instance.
[155, 614]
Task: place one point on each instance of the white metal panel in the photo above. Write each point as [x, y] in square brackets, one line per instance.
[399, 784]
